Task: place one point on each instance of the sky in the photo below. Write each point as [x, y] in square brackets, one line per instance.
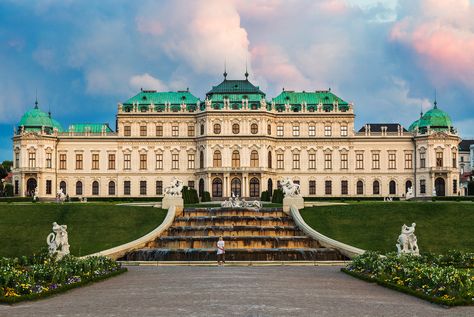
[81, 58]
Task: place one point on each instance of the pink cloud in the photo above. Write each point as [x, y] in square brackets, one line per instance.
[148, 26]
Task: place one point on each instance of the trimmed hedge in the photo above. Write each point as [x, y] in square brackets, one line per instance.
[15, 199]
[265, 196]
[453, 198]
[347, 198]
[206, 196]
[190, 195]
[119, 199]
[277, 196]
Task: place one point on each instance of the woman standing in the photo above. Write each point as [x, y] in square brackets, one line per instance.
[220, 251]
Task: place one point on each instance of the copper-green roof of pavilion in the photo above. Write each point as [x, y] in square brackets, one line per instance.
[35, 119]
[326, 97]
[241, 87]
[435, 119]
[147, 97]
[90, 127]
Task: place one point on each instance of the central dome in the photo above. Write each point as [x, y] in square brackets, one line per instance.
[36, 119]
[435, 119]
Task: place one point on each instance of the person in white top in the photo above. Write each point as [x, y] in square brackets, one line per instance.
[220, 251]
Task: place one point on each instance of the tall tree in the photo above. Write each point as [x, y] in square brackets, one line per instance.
[8, 165]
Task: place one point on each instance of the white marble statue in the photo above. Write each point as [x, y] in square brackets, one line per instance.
[409, 194]
[235, 202]
[60, 196]
[175, 188]
[58, 241]
[407, 242]
[36, 193]
[434, 192]
[290, 189]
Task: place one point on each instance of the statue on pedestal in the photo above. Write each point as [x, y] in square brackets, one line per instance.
[290, 189]
[409, 194]
[175, 188]
[407, 242]
[58, 241]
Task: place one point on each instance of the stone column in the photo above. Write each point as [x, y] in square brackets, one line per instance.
[245, 185]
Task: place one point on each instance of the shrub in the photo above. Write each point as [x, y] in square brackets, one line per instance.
[265, 196]
[8, 190]
[206, 196]
[190, 195]
[277, 197]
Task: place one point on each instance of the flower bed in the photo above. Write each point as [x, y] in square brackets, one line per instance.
[443, 279]
[40, 275]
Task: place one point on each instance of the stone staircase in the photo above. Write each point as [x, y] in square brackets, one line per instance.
[267, 234]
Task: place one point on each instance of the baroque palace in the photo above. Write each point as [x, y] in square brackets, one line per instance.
[236, 140]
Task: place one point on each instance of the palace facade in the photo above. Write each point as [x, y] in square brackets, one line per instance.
[236, 140]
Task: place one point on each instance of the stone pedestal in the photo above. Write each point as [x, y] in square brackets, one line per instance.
[296, 201]
[169, 201]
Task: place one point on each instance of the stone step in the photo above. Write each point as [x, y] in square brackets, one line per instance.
[272, 212]
[234, 230]
[236, 254]
[234, 242]
[233, 220]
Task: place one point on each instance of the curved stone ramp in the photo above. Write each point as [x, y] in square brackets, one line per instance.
[345, 249]
[119, 251]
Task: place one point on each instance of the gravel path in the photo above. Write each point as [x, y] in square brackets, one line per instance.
[232, 291]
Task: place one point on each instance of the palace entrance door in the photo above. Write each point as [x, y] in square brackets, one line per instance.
[440, 187]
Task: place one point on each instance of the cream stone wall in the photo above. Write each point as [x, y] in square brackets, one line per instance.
[290, 145]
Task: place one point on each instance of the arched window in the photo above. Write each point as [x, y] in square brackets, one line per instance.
[217, 128]
[202, 129]
[95, 188]
[376, 188]
[235, 128]
[254, 187]
[270, 187]
[78, 188]
[254, 159]
[360, 188]
[62, 185]
[217, 187]
[217, 159]
[236, 186]
[408, 185]
[111, 188]
[392, 186]
[269, 159]
[269, 129]
[201, 159]
[201, 187]
[254, 128]
[235, 159]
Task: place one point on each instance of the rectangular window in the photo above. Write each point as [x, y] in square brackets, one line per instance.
[143, 160]
[375, 161]
[296, 161]
[296, 130]
[159, 187]
[127, 161]
[175, 161]
[312, 187]
[312, 130]
[344, 161]
[392, 163]
[127, 130]
[343, 130]
[126, 188]
[327, 130]
[32, 159]
[280, 162]
[359, 161]
[328, 161]
[279, 130]
[422, 186]
[328, 187]
[17, 187]
[175, 130]
[191, 130]
[439, 159]
[191, 184]
[455, 186]
[312, 161]
[111, 161]
[62, 161]
[142, 187]
[422, 160]
[143, 131]
[49, 187]
[49, 160]
[17, 160]
[95, 161]
[191, 158]
[408, 160]
[344, 187]
[159, 161]
[79, 163]
[455, 160]
[159, 130]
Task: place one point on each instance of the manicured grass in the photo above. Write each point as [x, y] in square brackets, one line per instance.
[440, 226]
[92, 227]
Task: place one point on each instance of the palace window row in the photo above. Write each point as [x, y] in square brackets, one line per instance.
[359, 187]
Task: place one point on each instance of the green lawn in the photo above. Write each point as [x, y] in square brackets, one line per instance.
[92, 227]
[440, 226]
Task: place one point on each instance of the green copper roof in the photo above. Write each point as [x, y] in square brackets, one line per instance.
[239, 87]
[89, 127]
[147, 97]
[34, 119]
[435, 119]
[326, 97]
[236, 97]
[414, 125]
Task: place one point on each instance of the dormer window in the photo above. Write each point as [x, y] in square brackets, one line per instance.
[235, 106]
[254, 106]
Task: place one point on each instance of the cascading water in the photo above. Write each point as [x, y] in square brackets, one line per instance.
[265, 234]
